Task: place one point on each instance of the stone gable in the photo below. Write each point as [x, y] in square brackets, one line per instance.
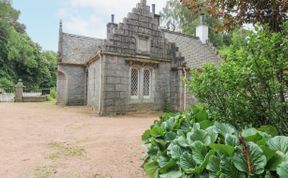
[76, 49]
[138, 34]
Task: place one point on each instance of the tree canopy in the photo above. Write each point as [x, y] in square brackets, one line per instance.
[20, 57]
[239, 12]
[177, 17]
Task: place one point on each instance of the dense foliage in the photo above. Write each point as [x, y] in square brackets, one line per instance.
[176, 17]
[20, 57]
[250, 85]
[192, 145]
[238, 12]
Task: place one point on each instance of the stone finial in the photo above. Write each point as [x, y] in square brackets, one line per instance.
[153, 8]
[20, 83]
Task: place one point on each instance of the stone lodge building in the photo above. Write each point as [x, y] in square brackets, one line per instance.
[138, 67]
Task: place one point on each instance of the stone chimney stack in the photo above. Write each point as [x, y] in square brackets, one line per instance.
[111, 26]
[202, 30]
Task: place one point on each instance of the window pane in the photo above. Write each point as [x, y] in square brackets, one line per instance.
[146, 85]
[134, 82]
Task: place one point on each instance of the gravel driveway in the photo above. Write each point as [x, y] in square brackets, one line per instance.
[43, 140]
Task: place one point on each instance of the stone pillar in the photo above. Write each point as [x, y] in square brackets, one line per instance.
[19, 91]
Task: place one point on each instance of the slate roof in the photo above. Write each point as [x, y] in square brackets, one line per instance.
[78, 49]
[195, 53]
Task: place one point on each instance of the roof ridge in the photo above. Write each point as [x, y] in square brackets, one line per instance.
[179, 33]
[82, 36]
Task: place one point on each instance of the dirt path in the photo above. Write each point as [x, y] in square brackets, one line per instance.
[44, 140]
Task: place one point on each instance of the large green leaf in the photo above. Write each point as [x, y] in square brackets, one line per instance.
[198, 170]
[282, 170]
[169, 136]
[182, 141]
[224, 129]
[279, 143]
[199, 151]
[269, 153]
[231, 140]
[249, 132]
[228, 170]
[199, 135]
[175, 151]
[146, 135]
[226, 149]
[205, 124]
[257, 160]
[166, 164]
[186, 161]
[277, 159]
[269, 130]
[152, 169]
[157, 132]
[172, 174]
[214, 164]
[201, 116]
[212, 133]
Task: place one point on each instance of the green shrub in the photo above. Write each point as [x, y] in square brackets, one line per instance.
[52, 95]
[192, 145]
[250, 85]
[6, 85]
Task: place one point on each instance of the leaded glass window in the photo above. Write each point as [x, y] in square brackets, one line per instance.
[146, 82]
[134, 82]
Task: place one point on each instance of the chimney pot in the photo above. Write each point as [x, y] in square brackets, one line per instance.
[112, 18]
[153, 8]
[202, 19]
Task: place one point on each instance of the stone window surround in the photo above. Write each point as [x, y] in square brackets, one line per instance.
[141, 98]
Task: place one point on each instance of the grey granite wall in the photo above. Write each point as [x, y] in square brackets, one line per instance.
[94, 85]
[61, 88]
[75, 84]
[116, 85]
[116, 88]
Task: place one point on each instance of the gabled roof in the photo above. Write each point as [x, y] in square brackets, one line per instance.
[76, 49]
[195, 53]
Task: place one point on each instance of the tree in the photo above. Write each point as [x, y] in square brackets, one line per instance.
[250, 85]
[238, 12]
[177, 17]
[20, 57]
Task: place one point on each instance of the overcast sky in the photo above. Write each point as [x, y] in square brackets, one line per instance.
[83, 17]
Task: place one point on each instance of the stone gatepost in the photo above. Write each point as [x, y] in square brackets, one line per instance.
[19, 91]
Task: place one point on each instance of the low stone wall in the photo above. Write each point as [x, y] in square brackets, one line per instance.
[7, 97]
[34, 98]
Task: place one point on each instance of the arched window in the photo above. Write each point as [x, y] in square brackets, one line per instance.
[146, 82]
[134, 82]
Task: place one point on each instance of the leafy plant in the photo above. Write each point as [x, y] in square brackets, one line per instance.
[249, 87]
[180, 145]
